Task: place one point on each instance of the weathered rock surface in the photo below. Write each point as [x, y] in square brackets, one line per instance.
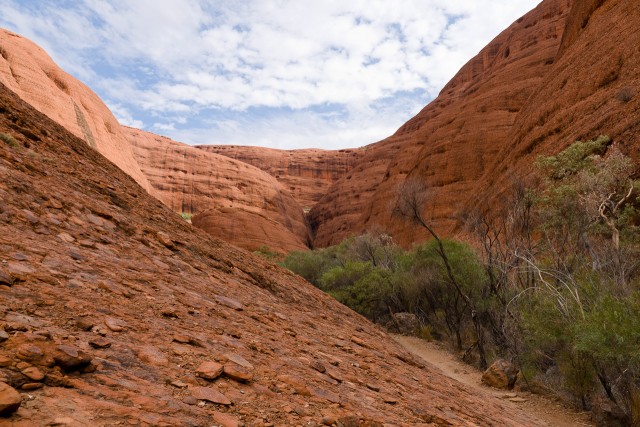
[231, 200]
[27, 70]
[128, 273]
[568, 70]
[306, 174]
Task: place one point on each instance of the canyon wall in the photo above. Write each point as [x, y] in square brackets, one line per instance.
[557, 75]
[307, 174]
[450, 144]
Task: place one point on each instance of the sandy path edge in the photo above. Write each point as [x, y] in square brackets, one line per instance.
[553, 413]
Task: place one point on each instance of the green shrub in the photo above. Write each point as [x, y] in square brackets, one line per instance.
[425, 332]
[265, 252]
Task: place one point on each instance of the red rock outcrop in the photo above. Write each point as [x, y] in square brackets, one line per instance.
[307, 174]
[28, 71]
[111, 304]
[565, 71]
[592, 88]
[230, 199]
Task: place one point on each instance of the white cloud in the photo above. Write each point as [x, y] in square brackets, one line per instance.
[125, 117]
[169, 59]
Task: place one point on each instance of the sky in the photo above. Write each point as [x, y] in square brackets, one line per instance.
[276, 73]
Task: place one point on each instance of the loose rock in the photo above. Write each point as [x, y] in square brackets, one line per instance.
[237, 372]
[210, 395]
[71, 358]
[33, 373]
[115, 325]
[501, 374]
[10, 400]
[100, 342]
[209, 370]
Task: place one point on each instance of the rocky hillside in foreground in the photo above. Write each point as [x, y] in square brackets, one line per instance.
[231, 200]
[567, 70]
[114, 311]
[306, 174]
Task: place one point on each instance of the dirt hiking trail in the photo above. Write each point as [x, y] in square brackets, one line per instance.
[546, 410]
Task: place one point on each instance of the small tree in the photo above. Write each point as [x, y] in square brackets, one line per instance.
[412, 198]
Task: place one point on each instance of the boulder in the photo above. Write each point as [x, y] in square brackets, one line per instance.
[606, 413]
[502, 374]
[71, 358]
[10, 400]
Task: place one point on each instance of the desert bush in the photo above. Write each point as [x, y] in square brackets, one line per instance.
[9, 140]
[265, 252]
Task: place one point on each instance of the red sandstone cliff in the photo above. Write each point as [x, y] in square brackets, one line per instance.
[562, 72]
[27, 70]
[230, 199]
[306, 174]
[250, 208]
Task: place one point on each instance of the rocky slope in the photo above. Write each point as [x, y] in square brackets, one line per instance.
[28, 71]
[306, 174]
[558, 74]
[115, 311]
[231, 200]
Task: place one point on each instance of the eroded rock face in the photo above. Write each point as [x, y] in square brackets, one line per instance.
[230, 199]
[305, 174]
[27, 70]
[451, 143]
[591, 89]
[566, 71]
[94, 246]
[10, 400]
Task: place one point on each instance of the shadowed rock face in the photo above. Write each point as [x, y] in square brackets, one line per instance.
[230, 199]
[306, 174]
[27, 70]
[592, 89]
[558, 74]
[112, 304]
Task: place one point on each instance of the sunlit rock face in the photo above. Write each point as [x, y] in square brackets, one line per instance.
[307, 174]
[246, 206]
[567, 70]
[28, 71]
